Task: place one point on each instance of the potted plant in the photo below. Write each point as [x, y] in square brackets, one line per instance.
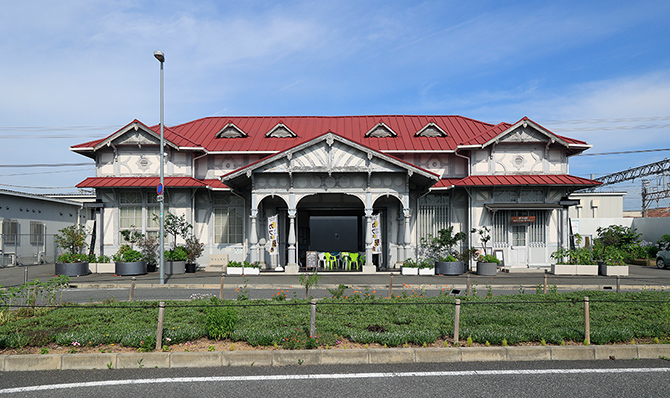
[72, 262]
[251, 268]
[101, 264]
[487, 264]
[577, 261]
[175, 260]
[194, 249]
[128, 261]
[235, 268]
[441, 250]
[148, 246]
[426, 267]
[409, 267]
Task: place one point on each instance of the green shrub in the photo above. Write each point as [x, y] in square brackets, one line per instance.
[221, 321]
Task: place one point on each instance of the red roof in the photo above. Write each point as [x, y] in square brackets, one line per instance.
[202, 133]
[149, 182]
[516, 179]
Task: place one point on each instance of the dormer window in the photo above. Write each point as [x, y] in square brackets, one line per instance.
[381, 130]
[281, 131]
[231, 131]
[431, 130]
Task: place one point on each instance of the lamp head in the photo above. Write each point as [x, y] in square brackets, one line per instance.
[159, 56]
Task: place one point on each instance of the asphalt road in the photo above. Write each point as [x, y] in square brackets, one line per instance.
[614, 378]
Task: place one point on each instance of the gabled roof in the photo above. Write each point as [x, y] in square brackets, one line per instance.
[330, 137]
[399, 133]
[172, 138]
[495, 133]
[150, 182]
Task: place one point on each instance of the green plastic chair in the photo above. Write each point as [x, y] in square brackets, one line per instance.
[345, 257]
[354, 259]
[330, 260]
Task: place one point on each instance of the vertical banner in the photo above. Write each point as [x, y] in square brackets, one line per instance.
[272, 235]
[376, 235]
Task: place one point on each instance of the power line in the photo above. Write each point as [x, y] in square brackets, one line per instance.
[624, 152]
[47, 165]
[31, 187]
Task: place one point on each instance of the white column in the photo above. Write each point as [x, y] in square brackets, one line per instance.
[369, 266]
[292, 266]
[408, 232]
[401, 238]
[253, 236]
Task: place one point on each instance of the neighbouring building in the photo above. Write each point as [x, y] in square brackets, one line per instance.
[29, 223]
[271, 189]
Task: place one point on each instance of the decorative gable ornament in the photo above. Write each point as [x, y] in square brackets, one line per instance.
[281, 131]
[431, 130]
[381, 130]
[230, 130]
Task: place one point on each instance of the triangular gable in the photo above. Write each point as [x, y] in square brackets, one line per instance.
[281, 131]
[431, 130]
[230, 130]
[525, 130]
[329, 153]
[381, 130]
[134, 133]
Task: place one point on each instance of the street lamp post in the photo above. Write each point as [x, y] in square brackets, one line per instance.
[161, 237]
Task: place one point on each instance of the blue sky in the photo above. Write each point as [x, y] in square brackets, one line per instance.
[72, 71]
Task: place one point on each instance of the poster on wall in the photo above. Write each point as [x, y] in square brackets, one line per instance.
[272, 234]
[376, 235]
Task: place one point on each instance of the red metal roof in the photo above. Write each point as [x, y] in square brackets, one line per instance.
[201, 133]
[149, 182]
[516, 179]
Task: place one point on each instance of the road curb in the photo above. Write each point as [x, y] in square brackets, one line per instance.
[326, 357]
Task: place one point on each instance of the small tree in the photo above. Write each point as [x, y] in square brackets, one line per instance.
[484, 236]
[194, 249]
[175, 226]
[72, 238]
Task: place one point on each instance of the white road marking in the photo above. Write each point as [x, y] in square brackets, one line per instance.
[385, 375]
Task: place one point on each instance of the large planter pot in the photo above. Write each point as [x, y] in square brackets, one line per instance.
[151, 267]
[613, 270]
[563, 269]
[409, 271]
[190, 268]
[449, 267]
[587, 269]
[175, 267]
[130, 268]
[72, 269]
[252, 271]
[235, 270]
[487, 269]
[426, 271]
[101, 268]
[574, 269]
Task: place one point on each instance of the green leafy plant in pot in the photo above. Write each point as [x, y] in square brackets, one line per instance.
[73, 240]
[194, 249]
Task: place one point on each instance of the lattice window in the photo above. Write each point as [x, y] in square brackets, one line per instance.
[228, 219]
[499, 236]
[532, 196]
[537, 231]
[37, 231]
[505, 196]
[433, 215]
[10, 232]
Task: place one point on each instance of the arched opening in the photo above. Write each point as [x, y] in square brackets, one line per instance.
[330, 222]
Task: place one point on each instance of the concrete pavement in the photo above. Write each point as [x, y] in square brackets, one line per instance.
[327, 357]
[640, 277]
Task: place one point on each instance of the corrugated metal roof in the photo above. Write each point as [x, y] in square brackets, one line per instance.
[149, 182]
[201, 133]
[522, 179]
